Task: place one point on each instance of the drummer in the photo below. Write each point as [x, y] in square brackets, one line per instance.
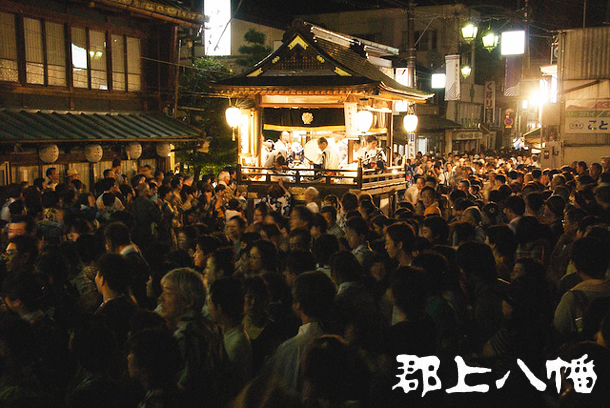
[330, 158]
[374, 158]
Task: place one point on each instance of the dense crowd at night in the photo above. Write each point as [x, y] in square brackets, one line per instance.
[160, 290]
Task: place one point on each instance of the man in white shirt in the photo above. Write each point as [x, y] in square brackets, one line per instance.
[330, 158]
[340, 146]
[53, 176]
[412, 194]
[283, 144]
[314, 294]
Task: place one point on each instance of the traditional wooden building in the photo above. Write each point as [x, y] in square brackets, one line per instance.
[315, 85]
[84, 82]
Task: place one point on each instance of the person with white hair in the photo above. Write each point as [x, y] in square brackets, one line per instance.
[311, 195]
[201, 344]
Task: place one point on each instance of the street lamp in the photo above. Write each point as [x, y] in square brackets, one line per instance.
[466, 70]
[490, 40]
[469, 32]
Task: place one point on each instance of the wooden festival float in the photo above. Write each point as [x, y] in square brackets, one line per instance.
[318, 83]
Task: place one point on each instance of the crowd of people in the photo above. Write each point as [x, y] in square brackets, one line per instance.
[160, 291]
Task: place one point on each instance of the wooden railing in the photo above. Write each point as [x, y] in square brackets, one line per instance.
[357, 178]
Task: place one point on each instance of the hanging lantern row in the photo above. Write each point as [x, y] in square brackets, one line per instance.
[49, 152]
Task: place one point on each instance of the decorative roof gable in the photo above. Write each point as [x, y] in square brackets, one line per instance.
[308, 60]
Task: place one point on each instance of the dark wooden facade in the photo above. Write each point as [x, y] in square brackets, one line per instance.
[109, 56]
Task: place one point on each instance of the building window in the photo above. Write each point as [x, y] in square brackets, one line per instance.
[118, 62]
[134, 69]
[56, 53]
[98, 60]
[422, 40]
[79, 58]
[8, 48]
[46, 59]
[34, 53]
[434, 40]
[426, 41]
[45, 54]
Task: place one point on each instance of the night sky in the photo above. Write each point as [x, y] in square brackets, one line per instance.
[547, 14]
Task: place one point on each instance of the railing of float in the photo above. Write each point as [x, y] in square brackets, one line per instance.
[363, 179]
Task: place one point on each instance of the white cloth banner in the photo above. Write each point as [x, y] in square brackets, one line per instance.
[350, 109]
[452, 77]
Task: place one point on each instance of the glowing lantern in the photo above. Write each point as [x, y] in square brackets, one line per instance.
[364, 121]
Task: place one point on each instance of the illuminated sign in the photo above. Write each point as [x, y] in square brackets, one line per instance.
[438, 81]
[217, 33]
[513, 43]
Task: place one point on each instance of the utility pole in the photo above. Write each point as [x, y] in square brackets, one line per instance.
[526, 57]
[411, 51]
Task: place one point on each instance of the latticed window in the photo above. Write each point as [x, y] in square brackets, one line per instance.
[8, 48]
[94, 55]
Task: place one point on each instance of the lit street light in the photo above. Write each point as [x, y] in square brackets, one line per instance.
[469, 32]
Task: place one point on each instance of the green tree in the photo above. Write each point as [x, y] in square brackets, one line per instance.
[255, 51]
[206, 113]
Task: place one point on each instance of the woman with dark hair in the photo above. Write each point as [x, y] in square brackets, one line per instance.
[153, 360]
[399, 241]
[88, 253]
[533, 240]
[504, 244]
[218, 265]
[435, 229]
[263, 257]
[278, 198]
[260, 212]
[208, 205]
[553, 215]
[478, 266]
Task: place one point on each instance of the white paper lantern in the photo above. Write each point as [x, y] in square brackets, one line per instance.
[233, 116]
[134, 151]
[48, 153]
[94, 153]
[410, 122]
[364, 121]
[163, 149]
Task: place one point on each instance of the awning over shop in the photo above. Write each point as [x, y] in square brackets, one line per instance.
[41, 126]
[468, 135]
[430, 123]
[532, 136]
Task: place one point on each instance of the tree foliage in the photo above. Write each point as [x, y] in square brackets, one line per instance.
[255, 51]
[206, 113]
